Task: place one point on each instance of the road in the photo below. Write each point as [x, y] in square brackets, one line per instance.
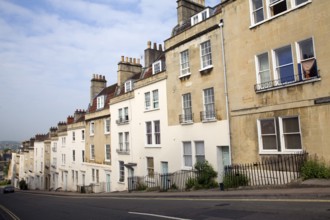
[38, 206]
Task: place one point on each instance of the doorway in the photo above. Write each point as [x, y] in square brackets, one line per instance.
[223, 159]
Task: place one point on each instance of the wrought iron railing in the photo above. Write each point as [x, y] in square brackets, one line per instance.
[186, 118]
[208, 115]
[283, 81]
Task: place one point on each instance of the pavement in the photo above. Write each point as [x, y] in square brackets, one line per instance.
[314, 189]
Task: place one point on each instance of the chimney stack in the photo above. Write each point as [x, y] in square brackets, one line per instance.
[78, 114]
[127, 69]
[151, 54]
[187, 8]
[98, 83]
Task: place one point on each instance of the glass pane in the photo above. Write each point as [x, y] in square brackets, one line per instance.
[290, 125]
[306, 49]
[263, 62]
[257, 4]
[292, 141]
[286, 73]
[199, 148]
[298, 2]
[269, 142]
[187, 148]
[264, 76]
[284, 56]
[188, 161]
[267, 126]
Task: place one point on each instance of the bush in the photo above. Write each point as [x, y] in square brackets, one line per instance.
[234, 180]
[23, 185]
[314, 168]
[205, 177]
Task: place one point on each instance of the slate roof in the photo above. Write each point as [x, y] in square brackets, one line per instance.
[108, 93]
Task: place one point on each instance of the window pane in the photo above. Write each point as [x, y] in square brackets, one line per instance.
[269, 142]
[298, 2]
[206, 54]
[306, 49]
[147, 100]
[187, 154]
[292, 141]
[267, 126]
[200, 154]
[290, 125]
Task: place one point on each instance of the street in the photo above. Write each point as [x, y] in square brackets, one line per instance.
[38, 206]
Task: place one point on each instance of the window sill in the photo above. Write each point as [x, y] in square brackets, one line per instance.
[206, 70]
[151, 110]
[107, 133]
[278, 15]
[152, 146]
[121, 152]
[121, 183]
[282, 86]
[274, 152]
[185, 76]
[187, 123]
[209, 120]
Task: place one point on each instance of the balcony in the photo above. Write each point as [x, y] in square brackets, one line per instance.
[122, 121]
[186, 118]
[285, 82]
[208, 116]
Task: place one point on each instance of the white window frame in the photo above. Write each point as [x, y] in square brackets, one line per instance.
[199, 153]
[279, 134]
[277, 66]
[150, 166]
[107, 153]
[260, 71]
[92, 152]
[301, 59]
[100, 102]
[187, 107]
[121, 141]
[155, 99]
[128, 86]
[91, 128]
[121, 171]
[184, 63]
[284, 148]
[254, 12]
[187, 155]
[153, 133]
[126, 141]
[82, 135]
[201, 16]
[147, 104]
[107, 126]
[267, 10]
[157, 67]
[206, 55]
[206, 104]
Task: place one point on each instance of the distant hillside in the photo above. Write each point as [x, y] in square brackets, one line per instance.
[14, 145]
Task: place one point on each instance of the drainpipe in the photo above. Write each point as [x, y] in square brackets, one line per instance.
[225, 81]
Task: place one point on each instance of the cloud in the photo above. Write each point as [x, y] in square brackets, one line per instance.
[49, 50]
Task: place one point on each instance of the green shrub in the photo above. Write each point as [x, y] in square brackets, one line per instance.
[141, 186]
[231, 180]
[205, 177]
[315, 168]
[23, 185]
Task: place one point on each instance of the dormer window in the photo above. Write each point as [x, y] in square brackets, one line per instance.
[128, 86]
[100, 102]
[156, 67]
[200, 16]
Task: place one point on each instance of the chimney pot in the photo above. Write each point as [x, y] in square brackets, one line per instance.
[160, 47]
[134, 60]
[126, 59]
[122, 58]
[138, 61]
[149, 44]
[155, 46]
[130, 60]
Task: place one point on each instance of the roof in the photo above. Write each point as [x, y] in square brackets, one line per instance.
[108, 93]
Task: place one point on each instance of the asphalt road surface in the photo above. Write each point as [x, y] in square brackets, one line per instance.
[37, 206]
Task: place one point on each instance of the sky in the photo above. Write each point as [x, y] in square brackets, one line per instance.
[50, 49]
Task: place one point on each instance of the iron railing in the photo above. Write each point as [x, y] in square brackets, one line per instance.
[208, 115]
[283, 81]
[162, 182]
[278, 170]
[186, 118]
